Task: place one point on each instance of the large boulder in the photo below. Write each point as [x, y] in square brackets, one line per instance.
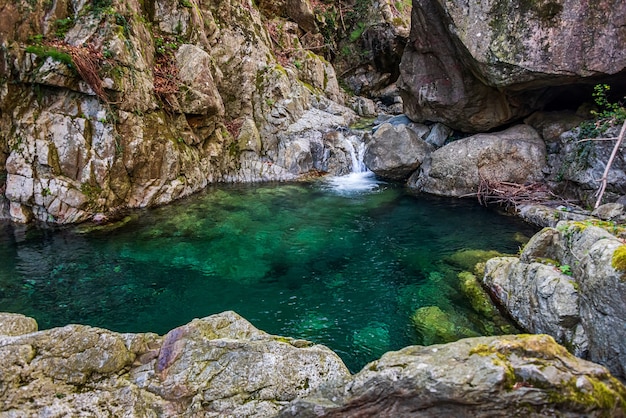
[219, 366]
[584, 309]
[478, 377]
[516, 155]
[480, 64]
[395, 151]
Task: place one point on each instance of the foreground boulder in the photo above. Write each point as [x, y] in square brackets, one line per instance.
[479, 377]
[515, 155]
[217, 366]
[569, 282]
[477, 65]
[221, 366]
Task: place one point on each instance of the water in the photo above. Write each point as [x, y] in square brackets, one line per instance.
[344, 262]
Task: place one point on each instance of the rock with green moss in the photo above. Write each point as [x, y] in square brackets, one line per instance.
[477, 296]
[434, 326]
[468, 259]
[526, 375]
[584, 309]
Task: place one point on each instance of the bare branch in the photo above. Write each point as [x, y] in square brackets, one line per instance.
[605, 176]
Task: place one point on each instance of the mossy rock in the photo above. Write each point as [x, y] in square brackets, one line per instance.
[477, 296]
[468, 259]
[436, 326]
[618, 262]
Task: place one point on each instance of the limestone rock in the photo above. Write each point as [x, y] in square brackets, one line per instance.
[478, 65]
[394, 152]
[585, 311]
[16, 324]
[219, 366]
[515, 155]
[478, 377]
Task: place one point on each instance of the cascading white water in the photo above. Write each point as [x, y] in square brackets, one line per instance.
[360, 179]
[355, 146]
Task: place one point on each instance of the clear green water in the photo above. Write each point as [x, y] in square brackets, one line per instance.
[345, 269]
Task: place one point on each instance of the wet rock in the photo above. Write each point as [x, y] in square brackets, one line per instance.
[478, 377]
[395, 151]
[468, 259]
[515, 155]
[436, 326]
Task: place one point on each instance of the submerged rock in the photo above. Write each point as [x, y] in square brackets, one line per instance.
[479, 377]
[436, 326]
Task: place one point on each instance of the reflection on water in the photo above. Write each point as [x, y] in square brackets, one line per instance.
[344, 262]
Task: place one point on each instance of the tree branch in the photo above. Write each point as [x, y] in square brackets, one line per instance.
[605, 176]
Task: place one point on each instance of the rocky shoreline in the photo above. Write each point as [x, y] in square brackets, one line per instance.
[221, 366]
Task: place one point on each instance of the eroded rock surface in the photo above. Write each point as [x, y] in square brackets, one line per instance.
[219, 366]
[584, 309]
[479, 377]
[180, 95]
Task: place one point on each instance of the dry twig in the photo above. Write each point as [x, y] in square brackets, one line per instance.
[513, 194]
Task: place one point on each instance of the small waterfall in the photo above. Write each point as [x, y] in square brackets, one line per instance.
[355, 146]
[360, 179]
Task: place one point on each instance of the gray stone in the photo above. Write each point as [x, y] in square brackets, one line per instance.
[478, 377]
[219, 366]
[394, 152]
[199, 95]
[526, 289]
[438, 135]
[516, 155]
[609, 211]
[541, 299]
[480, 64]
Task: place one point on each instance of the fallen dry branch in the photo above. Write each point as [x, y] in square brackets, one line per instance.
[513, 194]
[86, 60]
[166, 80]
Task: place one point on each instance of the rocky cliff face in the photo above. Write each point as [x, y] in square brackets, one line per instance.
[477, 65]
[112, 104]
